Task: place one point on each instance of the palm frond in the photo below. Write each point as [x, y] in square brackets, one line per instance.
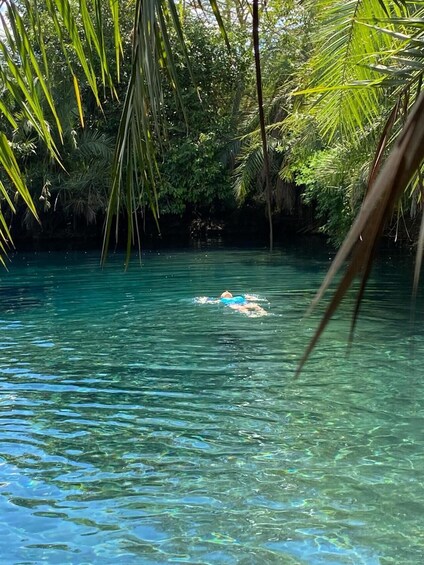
[342, 69]
[403, 162]
[95, 146]
[250, 166]
[135, 170]
[24, 73]
[249, 172]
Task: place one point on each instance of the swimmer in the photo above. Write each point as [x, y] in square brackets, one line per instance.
[242, 303]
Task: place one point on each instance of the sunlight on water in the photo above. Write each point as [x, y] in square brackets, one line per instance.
[140, 426]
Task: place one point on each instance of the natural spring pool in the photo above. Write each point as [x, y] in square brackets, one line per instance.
[140, 427]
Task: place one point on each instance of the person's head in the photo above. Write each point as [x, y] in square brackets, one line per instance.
[226, 294]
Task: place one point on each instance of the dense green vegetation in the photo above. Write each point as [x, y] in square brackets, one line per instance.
[162, 119]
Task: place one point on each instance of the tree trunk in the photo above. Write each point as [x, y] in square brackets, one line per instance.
[268, 193]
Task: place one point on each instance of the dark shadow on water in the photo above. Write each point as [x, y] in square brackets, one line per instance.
[14, 298]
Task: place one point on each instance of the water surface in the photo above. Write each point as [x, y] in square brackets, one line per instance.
[137, 426]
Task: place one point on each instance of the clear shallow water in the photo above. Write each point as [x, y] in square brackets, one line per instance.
[139, 427]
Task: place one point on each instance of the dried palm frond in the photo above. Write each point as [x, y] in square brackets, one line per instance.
[401, 165]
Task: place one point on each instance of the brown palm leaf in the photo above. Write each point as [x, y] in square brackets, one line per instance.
[403, 161]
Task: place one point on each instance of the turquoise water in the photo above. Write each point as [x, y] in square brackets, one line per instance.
[140, 427]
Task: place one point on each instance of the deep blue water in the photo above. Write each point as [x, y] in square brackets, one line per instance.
[139, 427]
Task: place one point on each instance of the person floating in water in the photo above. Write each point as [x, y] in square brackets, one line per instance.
[244, 303]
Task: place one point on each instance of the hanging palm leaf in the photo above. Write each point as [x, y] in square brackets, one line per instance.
[343, 69]
[360, 244]
[398, 158]
[79, 29]
[24, 73]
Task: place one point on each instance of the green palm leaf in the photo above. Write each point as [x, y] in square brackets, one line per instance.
[24, 72]
[346, 50]
[401, 69]
[250, 167]
[26, 77]
[9, 164]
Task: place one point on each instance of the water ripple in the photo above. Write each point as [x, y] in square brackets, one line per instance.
[139, 427]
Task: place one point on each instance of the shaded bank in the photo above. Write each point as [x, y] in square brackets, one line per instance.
[236, 224]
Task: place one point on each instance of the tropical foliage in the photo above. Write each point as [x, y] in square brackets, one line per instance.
[366, 75]
[194, 175]
[180, 104]
[395, 105]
